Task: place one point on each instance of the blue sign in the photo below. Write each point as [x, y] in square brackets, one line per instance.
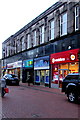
[28, 63]
[41, 62]
[37, 78]
[47, 79]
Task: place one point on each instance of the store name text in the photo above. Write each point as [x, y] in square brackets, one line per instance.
[58, 60]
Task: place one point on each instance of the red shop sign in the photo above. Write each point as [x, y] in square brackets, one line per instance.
[64, 57]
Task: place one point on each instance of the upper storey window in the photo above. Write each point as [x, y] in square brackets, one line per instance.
[28, 41]
[34, 38]
[41, 34]
[63, 24]
[51, 30]
[23, 43]
[76, 17]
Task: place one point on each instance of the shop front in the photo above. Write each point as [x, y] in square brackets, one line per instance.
[63, 63]
[41, 71]
[15, 68]
[27, 70]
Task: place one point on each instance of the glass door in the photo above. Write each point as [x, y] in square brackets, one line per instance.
[37, 76]
[42, 76]
[62, 73]
[47, 77]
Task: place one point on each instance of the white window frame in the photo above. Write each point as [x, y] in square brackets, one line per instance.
[23, 43]
[7, 48]
[51, 30]
[76, 17]
[42, 34]
[18, 45]
[62, 23]
[34, 38]
[28, 41]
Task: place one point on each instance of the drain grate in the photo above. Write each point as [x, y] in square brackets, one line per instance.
[35, 115]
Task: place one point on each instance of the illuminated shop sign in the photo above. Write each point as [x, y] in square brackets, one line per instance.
[57, 60]
[73, 57]
[28, 63]
[64, 57]
[41, 63]
[15, 64]
[10, 65]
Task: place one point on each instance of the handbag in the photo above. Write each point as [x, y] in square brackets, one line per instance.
[6, 90]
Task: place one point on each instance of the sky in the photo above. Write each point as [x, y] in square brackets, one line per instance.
[15, 14]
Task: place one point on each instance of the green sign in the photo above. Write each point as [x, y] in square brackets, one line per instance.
[28, 63]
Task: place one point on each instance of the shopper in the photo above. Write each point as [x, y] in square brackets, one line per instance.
[3, 85]
[30, 80]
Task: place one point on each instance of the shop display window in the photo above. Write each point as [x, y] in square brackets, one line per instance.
[60, 71]
[73, 67]
[55, 74]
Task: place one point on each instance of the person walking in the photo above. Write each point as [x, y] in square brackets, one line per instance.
[3, 85]
[30, 80]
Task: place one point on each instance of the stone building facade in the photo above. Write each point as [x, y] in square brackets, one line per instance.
[55, 30]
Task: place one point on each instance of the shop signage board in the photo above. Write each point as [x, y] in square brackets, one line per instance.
[64, 57]
[16, 64]
[28, 63]
[41, 63]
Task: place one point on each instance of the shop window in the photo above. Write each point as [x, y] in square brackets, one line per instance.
[63, 66]
[55, 74]
[73, 67]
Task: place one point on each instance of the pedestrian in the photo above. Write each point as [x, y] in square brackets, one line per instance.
[3, 85]
[30, 80]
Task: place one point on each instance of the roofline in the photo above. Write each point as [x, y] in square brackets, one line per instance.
[35, 20]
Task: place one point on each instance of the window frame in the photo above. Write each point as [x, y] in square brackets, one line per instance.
[23, 43]
[28, 41]
[51, 30]
[42, 34]
[76, 17]
[62, 23]
[34, 38]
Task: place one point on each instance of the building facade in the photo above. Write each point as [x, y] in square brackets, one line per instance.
[47, 47]
[0, 68]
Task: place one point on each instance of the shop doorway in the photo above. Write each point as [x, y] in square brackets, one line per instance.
[62, 73]
[42, 77]
[26, 73]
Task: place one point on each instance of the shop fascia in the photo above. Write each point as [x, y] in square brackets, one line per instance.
[28, 63]
[17, 64]
[41, 63]
[64, 57]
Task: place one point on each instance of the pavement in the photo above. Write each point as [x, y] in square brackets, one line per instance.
[42, 88]
[37, 102]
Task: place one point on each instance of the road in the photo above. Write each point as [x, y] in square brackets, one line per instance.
[31, 102]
